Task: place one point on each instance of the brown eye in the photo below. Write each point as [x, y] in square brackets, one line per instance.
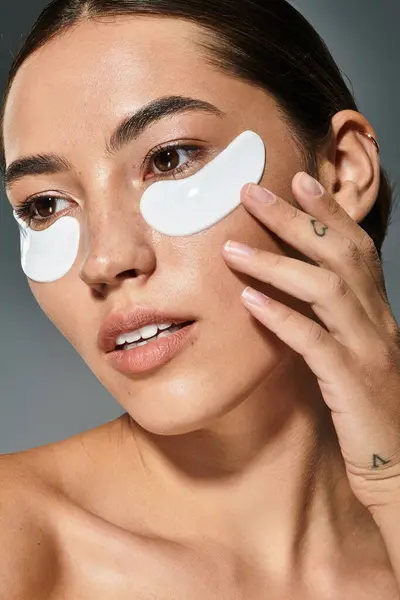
[167, 160]
[173, 160]
[44, 207]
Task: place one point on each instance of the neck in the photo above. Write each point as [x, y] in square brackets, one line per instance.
[265, 479]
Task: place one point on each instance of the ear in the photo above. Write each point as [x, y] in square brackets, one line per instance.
[353, 157]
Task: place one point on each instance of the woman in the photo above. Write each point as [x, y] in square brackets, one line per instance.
[258, 455]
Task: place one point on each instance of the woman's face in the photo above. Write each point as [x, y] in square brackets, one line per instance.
[66, 100]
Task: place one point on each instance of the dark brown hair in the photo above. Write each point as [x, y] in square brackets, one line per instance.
[266, 43]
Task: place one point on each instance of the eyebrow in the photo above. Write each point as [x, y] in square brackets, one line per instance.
[126, 132]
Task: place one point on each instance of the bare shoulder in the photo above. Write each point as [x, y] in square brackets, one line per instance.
[37, 476]
[26, 545]
[33, 483]
[51, 508]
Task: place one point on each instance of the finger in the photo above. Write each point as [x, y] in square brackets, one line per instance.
[325, 356]
[323, 244]
[351, 388]
[333, 214]
[329, 295]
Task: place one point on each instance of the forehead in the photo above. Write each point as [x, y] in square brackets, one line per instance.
[97, 73]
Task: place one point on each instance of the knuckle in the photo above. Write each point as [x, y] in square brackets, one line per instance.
[315, 335]
[275, 260]
[337, 286]
[291, 212]
[388, 358]
[265, 260]
[383, 356]
[368, 248]
[287, 317]
[350, 251]
[389, 329]
[334, 209]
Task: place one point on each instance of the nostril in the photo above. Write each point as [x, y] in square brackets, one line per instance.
[98, 290]
[128, 274]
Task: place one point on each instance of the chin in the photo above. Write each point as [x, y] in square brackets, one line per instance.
[182, 404]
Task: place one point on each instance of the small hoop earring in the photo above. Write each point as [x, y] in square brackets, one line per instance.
[371, 137]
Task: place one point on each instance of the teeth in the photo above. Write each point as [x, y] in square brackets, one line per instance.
[130, 337]
[148, 331]
[145, 333]
[162, 334]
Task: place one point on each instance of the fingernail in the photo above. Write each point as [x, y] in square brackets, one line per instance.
[310, 185]
[236, 249]
[253, 297]
[260, 194]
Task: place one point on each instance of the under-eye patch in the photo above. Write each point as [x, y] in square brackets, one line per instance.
[188, 206]
[175, 208]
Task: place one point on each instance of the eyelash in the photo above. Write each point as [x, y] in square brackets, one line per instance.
[23, 210]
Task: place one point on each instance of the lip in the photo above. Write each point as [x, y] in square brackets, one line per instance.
[125, 322]
[154, 354]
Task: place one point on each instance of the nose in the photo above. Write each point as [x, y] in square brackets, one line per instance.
[116, 246]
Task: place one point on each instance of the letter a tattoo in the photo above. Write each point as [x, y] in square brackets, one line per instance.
[378, 461]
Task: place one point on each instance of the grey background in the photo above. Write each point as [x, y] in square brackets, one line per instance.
[47, 393]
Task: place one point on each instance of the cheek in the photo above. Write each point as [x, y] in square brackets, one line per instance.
[242, 226]
[61, 303]
[202, 266]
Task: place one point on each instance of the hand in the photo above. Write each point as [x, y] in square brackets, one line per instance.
[356, 359]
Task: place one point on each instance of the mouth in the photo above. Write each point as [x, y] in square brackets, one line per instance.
[153, 351]
[150, 334]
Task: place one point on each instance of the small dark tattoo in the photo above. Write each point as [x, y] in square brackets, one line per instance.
[323, 231]
[378, 461]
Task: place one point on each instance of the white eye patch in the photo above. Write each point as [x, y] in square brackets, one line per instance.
[187, 206]
[175, 208]
[48, 255]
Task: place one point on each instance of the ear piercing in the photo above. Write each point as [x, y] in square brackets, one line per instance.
[371, 137]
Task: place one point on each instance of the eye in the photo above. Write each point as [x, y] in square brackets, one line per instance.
[40, 209]
[167, 160]
[45, 207]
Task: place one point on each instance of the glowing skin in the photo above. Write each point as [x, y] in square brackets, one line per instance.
[232, 433]
[175, 208]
